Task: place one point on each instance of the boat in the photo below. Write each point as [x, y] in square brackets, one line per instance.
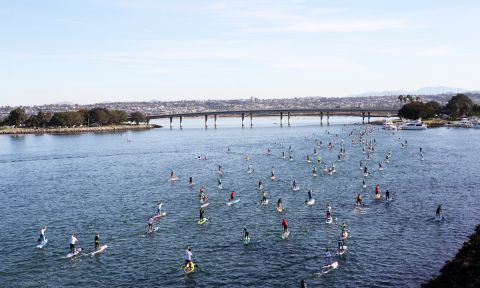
[475, 123]
[413, 125]
[389, 125]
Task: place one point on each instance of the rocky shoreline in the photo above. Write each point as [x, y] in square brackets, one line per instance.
[76, 130]
[464, 269]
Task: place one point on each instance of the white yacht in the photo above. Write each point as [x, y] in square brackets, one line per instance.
[475, 123]
[413, 125]
[389, 125]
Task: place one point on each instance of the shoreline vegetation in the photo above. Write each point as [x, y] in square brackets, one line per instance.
[76, 130]
[464, 269]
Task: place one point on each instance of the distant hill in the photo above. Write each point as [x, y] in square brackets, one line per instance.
[422, 91]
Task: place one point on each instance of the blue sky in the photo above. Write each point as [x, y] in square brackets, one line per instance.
[90, 51]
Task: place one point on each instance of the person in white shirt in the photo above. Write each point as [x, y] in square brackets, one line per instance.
[188, 257]
[73, 241]
[42, 234]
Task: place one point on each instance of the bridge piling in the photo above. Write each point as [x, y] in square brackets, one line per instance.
[363, 117]
[251, 120]
[243, 120]
[206, 119]
[281, 119]
[328, 118]
[368, 118]
[288, 119]
[181, 122]
[215, 120]
[171, 124]
[321, 118]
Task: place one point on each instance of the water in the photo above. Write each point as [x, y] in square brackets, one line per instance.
[111, 183]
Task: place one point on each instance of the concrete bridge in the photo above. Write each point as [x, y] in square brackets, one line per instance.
[364, 112]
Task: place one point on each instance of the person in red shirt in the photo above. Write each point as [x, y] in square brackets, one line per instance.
[232, 196]
[285, 225]
[377, 189]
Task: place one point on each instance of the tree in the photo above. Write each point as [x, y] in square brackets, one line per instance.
[459, 105]
[67, 119]
[16, 117]
[412, 110]
[117, 116]
[40, 120]
[99, 116]
[431, 109]
[138, 117]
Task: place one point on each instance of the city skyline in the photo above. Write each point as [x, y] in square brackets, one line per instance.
[110, 51]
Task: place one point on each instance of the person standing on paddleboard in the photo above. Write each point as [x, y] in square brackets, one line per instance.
[438, 213]
[42, 234]
[188, 257]
[202, 212]
[246, 234]
[73, 241]
[328, 257]
[285, 225]
[97, 242]
[309, 194]
[341, 243]
[387, 195]
[359, 200]
[232, 196]
[150, 225]
[159, 210]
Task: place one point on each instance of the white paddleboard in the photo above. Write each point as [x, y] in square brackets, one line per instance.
[204, 205]
[328, 268]
[296, 188]
[154, 230]
[265, 203]
[102, 248]
[233, 202]
[173, 179]
[311, 202]
[285, 234]
[41, 245]
[70, 255]
[329, 220]
[342, 251]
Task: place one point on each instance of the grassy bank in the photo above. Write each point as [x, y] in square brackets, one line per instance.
[464, 269]
[75, 130]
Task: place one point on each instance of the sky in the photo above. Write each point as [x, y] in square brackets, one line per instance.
[91, 51]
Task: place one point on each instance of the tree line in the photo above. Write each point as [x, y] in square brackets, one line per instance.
[459, 105]
[91, 117]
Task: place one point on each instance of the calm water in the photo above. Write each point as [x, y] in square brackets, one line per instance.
[110, 183]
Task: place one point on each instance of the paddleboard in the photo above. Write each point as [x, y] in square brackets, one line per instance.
[265, 203]
[285, 235]
[310, 202]
[341, 252]
[70, 255]
[279, 209]
[158, 216]
[365, 174]
[296, 188]
[204, 205]
[315, 175]
[364, 186]
[246, 240]
[154, 229]
[233, 202]
[190, 268]
[173, 179]
[272, 177]
[202, 221]
[326, 269]
[439, 218]
[378, 196]
[42, 244]
[329, 220]
[102, 248]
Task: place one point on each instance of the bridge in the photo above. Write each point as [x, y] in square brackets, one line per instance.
[364, 112]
